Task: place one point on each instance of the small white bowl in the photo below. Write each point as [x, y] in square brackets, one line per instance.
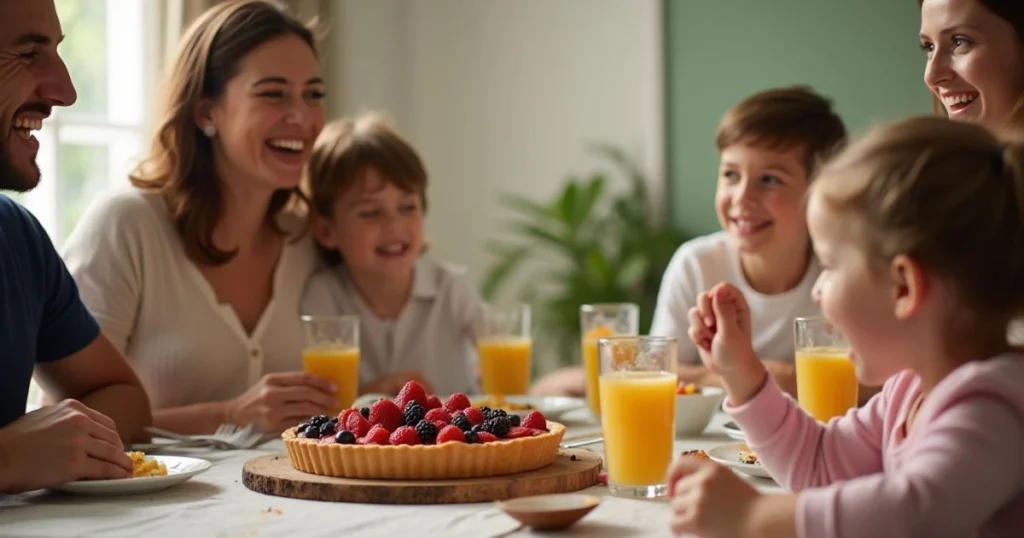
[694, 411]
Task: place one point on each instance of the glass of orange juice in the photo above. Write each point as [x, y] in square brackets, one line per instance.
[504, 346]
[826, 378]
[600, 321]
[638, 406]
[331, 350]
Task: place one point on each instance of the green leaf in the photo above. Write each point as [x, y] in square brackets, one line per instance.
[546, 237]
[632, 271]
[498, 274]
[527, 207]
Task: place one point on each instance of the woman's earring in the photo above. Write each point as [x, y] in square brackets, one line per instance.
[209, 130]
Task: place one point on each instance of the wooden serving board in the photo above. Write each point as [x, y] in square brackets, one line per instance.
[572, 470]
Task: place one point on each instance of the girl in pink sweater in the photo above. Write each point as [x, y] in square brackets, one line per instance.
[919, 227]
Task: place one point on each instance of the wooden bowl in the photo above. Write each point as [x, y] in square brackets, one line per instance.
[549, 512]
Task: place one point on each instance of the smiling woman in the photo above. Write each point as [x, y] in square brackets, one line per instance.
[196, 272]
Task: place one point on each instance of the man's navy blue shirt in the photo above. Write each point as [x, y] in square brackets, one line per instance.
[42, 319]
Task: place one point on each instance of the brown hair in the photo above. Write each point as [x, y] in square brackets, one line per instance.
[343, 153]
[180, 162]
[785, 118]
[948, 194]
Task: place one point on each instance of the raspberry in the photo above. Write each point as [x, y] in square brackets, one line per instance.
[379, 435]
[427, 432]
[413, 414]
[456, 402]
[411, 392]
[602, 478]
[515, 432]
[486, 437]
[536, 421]
[343, 416]
[450, 433]
[357, 424]
[474, 415]
[497, 425]
[405, 435]
[433, 402]
[387, 414]
[462, 422]
[437, 414]
[440, 424]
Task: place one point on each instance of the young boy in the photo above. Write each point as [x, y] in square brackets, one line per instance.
[367, 189]
[769, 147]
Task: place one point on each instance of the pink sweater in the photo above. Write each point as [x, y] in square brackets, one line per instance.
[959, 473]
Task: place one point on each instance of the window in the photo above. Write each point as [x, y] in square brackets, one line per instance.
[91, 146]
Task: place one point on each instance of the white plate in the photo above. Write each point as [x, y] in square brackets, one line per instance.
[729, 455]
[552, 407]
[179, 470]
[734, 431]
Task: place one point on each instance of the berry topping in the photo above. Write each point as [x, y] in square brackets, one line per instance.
[312, 432]
[487, 412]
[536, 421]
[514, 420]
[411, 392]
[515, 432]
[462, 422]
[365, 412]
[414, 413]
[456, 402]
[405, 435]
[327, 428]
[334, 420]
[343, 416]
[474, 415]
[345, 437]
[427, 432]
[379, 435]
[357, 424]
[302, 427]
[438, 414]
[433, 402]
[497, 425]
[471, 437]
[450, 433]
[387, 414]
[439, 424]
[486, 437]
[319, 419]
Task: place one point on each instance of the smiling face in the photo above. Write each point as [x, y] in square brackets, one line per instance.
[268, 116]
[760, 199]
[975, 61]
[376, 227]
[33, 80]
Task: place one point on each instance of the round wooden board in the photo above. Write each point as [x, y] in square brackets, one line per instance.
[572, 470]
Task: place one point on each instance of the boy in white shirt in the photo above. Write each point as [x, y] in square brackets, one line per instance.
[769, 147]
[367, 187]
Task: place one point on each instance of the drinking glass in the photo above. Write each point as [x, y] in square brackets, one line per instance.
[331, 350]
[826, 378]
[600, 321]
[504, 346]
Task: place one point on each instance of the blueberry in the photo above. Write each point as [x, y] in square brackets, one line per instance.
[302, 427]
[365, 412]
[514, 420]
[345, 437]
[471, 437]
[327, 429]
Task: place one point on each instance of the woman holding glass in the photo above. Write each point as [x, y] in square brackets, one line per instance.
[196, 272]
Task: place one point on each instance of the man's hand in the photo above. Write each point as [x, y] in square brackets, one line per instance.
[57, 444]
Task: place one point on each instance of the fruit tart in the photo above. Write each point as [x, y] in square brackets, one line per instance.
[418, 437]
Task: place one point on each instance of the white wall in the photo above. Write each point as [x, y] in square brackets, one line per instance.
[502, 96]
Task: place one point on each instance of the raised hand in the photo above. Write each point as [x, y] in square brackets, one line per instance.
[60, 443]
[281, 400]
[708, 499]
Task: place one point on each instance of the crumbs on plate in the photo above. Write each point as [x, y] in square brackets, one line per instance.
[696, 454]
[143, 467]
[748, 456]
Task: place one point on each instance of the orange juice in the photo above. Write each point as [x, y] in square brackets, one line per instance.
[638, 417]
[505, 365]
[826, 382]
[592, 366]
[339, 366]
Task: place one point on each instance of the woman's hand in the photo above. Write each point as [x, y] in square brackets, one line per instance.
[281, 400]
[720, 328]
[569, 381]
[708, 499]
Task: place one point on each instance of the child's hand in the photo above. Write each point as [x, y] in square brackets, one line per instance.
[708, 499]
[720, 328]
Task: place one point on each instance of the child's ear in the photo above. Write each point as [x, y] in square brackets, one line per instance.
[909, 286]
[323, 232]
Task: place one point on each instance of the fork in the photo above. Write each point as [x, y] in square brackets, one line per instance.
[227, 436]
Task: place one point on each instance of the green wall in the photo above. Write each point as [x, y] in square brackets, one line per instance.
[864, 54]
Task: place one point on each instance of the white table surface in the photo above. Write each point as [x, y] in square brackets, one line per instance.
[216, 504]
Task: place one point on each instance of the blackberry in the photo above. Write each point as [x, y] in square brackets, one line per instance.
[498, 426]
[487, 412]
[318, 420]
[462, 422]
[413, 413]
[498, 413]
[327, 428]
[515, 420]
[345, 437]
[365, 412]
[427, 432]
[472, 438]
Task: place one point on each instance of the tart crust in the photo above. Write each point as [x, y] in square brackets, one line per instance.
[424, 462]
